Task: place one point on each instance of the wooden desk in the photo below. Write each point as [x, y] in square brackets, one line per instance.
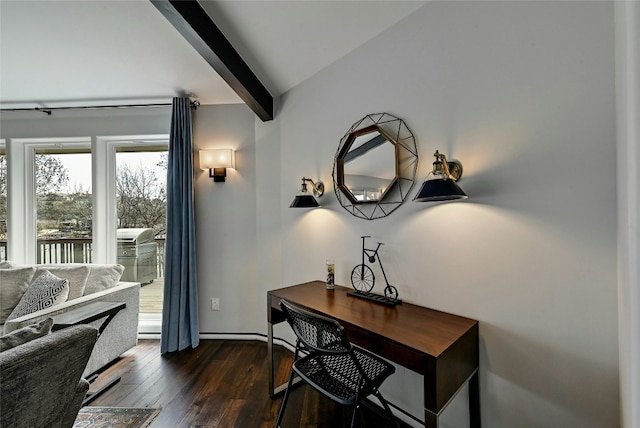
[440, 346]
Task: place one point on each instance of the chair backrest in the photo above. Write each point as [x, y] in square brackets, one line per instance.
[316, 332]
[41, 379]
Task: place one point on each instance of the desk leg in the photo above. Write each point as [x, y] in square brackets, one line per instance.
[275, 390]
[430, 419]
[270, 356]
[474, 401]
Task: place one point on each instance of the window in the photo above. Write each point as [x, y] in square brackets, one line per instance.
[39, 187]
[141, 194]
[64, 205]
[144, 158]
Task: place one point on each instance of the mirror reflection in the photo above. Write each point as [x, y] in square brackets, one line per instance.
[369, 166]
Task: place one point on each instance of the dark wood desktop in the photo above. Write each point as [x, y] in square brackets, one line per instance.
[440, 346]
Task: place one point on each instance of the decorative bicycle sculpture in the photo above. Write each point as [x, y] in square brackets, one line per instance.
[363, 279]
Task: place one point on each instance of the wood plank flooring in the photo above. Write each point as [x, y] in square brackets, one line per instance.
[219, 384]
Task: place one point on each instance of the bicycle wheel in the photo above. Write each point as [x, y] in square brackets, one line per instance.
[391, 292]
[362, 278]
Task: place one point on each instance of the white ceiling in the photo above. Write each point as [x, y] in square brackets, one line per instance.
[92, 52]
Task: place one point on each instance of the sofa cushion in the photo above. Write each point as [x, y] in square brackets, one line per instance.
[102, 277]
[45, 290]
[76, 275]
[13, 284]
[26, 334]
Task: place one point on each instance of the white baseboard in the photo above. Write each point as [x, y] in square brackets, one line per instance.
[146, 335]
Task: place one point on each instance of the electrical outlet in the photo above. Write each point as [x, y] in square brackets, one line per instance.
[215, 304]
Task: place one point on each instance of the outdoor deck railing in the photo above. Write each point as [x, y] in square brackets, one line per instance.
[75, 250]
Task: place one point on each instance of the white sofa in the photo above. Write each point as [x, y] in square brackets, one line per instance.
[87, 283]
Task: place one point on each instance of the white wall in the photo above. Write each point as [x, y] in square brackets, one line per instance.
[523, 94]
[86, 123]
[226, 222]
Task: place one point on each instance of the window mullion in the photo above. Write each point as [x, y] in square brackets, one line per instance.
[21, 223]
[104, 196]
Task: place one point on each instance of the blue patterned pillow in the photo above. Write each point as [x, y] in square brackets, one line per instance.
[45, 290]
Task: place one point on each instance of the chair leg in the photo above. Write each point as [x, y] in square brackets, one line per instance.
[285, 399]
[356, 410]
[387, 408]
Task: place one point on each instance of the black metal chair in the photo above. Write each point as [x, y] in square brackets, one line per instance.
[326, 360]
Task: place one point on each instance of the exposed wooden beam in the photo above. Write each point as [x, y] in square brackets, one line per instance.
[195, 25]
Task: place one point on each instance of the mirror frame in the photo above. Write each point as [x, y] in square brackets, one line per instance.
[406, 163]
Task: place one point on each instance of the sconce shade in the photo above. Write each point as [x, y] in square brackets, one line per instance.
[217, 161]
[217, 158]
[439, 189]
[304, 201]
[442, 186]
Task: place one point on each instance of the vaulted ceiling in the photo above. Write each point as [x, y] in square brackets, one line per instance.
[92, 52]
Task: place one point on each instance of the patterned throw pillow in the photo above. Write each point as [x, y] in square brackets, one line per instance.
[45, 290]
[76, 274]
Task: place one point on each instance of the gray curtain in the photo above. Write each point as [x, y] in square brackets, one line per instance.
[180, 309]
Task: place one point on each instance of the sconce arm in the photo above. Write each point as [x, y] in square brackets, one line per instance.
[318, 188]
[450, 169]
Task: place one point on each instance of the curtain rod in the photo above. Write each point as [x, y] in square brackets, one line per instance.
[48, 110]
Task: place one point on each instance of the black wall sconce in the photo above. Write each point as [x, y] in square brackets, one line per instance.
[217, 161]
[304, 199]
[442, 186]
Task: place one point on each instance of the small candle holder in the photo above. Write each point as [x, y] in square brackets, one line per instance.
[331, 274]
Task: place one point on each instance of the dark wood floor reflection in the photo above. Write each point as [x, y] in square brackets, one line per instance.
[219, 384]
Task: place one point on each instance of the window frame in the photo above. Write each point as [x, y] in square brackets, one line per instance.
[107, 148]
[148, 324]
[22, 214]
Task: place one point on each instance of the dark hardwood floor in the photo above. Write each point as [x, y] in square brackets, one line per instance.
[219, 384]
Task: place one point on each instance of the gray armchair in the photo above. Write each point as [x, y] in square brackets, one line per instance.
[41, 380]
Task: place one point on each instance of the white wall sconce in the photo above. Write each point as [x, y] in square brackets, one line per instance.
[442, 186]
[306, 200]
[217, 161]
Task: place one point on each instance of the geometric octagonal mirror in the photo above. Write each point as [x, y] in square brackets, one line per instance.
[375, 166]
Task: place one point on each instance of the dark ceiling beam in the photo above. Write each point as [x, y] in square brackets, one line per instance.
[195, 25]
